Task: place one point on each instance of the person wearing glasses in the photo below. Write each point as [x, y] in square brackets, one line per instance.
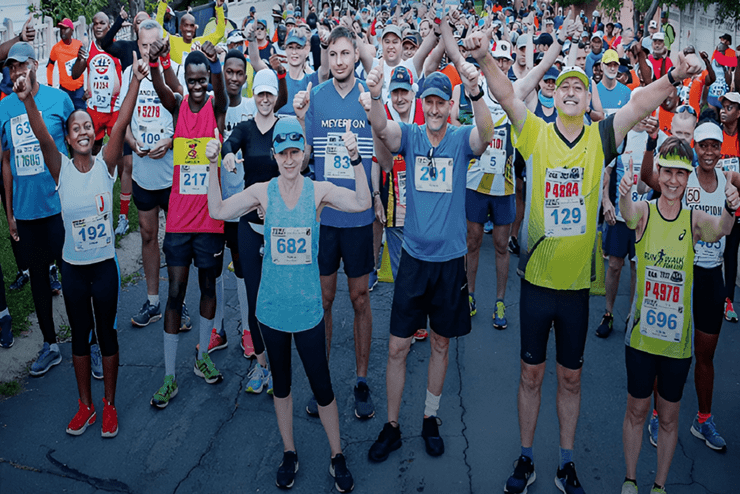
[289, 304]
[432, 281]
[565, 162]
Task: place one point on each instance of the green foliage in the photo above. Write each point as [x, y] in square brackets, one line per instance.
[11, 388]
[59, 9]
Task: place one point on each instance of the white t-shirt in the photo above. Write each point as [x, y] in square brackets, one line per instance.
[232, 183]
[387, 70]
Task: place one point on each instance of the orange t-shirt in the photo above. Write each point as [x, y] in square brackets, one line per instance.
[665, 120]
[696, 88]
[729, 145]
[451, 72]
[65, 55]
[635, 81]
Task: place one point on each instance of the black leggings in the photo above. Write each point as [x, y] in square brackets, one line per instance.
[41, 242]
[88, 289]
[311, 346]
[250, 243]
[733, 242]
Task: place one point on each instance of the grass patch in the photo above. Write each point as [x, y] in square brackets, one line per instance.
[133, 213]
[130, 279]
[11, 388]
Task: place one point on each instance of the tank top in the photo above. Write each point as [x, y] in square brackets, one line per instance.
[104, 79]
[289, 297]
[708, 255]
[188, 208]
[87, 212]
[661, 320]
[540, 112]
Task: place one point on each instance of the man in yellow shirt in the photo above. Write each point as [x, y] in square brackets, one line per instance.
[180, 46]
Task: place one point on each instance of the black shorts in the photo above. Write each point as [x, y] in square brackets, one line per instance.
[354, 246]
[231, 235]
[434, 290]
[619, 241]
[708, 300]
[127, 151]
[206, 250]
[540, 309]
[146, 200]
[643, 368]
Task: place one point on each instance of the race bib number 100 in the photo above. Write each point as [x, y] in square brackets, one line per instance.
[662, 310]
[565, 208]
[291, 246]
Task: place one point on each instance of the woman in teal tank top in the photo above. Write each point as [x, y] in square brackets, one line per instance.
[289, 300]
[659, 337]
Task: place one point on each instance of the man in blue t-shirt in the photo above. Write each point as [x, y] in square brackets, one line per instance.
[323, 111]
[34, 211]
[432, 281]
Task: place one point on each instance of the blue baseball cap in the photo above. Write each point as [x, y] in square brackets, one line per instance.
[437, 84]
[294, 38]
[21, 52]
[551, 74]
[252, 10]
[400, 79]
[288, 134]
[263, 22]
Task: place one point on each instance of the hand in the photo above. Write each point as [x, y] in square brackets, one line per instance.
[651, 126]
[157, 49]
[123, 14]
[733, 199]
[209, 51]
[323, 35]
[22, 88]
[13, 228]
[350, 141]
[609, 212]
[301, 101]
[364, 99]
[261, 212]
[569, 28]
[379, 210]
[139, 149]
[276, 63]
[477, 45]
[374, 80]
[140, 67]
[249, 31]
[213, 148]
[160, 149]
[704, 57]
[687, 66]
[28, 31]
[229, 162]
[82, 54]
[469, 75]
[628, 180]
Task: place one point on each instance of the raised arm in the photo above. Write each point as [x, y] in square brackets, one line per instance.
[502, 89]
[220, 98]
[235, 206]
[27, 34]
[634, 213]
[107, 41]
[429, 43]
[114, 149]
[482, 133]
[431, 64]
[711, 76]
[386, 130]
[215, 36]
[166, 95]
[53, 159]
[712, 228]
[80, 64]
[253, 50]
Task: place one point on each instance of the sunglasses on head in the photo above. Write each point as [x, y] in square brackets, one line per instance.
[292, 136]
[686, 108]
[432, 166]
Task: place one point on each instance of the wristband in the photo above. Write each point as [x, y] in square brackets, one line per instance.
[729, 210]
[376, 99]
[216, 67]
[281, 76]
[437, 21]
[673, 81]
[477, 96]
[154, 64]
[376, 193]
[166, 61]
[358, 161]
[651, 143]
[325, 47]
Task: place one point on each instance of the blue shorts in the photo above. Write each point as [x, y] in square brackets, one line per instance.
[619, 240]
[353, 245]
[478, 205]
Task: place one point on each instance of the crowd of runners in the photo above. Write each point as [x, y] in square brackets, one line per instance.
[312, 141]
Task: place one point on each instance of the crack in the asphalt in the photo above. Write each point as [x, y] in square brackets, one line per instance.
[109, 485]
[679, 445]
[462, 416]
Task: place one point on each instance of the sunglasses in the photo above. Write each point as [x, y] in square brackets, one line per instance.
[259, 28]
[686, 108]
[292, 136]
[432, 165]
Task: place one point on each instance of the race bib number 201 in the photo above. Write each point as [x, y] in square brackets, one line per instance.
[565, 207]
[433, 175]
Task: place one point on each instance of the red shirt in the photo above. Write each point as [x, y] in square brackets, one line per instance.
[658, 66]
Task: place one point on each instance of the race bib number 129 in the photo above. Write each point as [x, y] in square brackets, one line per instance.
[565, 208]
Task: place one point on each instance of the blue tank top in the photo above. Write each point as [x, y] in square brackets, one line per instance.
[289, 298]
[538, 110]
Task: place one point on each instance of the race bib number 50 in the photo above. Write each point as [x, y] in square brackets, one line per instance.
[565, 208]
[662, 310]
[291, 246]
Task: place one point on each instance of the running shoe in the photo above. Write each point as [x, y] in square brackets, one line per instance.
[217, 342]
[372, 280]
[96, 361]
[653, 426]
[657, 490]
[605, 328]
[163, 396]
[514, 246]
[364, 408]
[471, 304]
[312, 407]
[522, 477]
[287, 470]
[730, 313]
[21, 279]
[257, 379]
[270, 391]
[342, 477]
[6, 332]
[708, 432]
[206, 369]
[56, 286]
[84, 417]
[435, 446]
[629, 487]
[488, 227]
[499, 316]
[388, 440]
[567, 481]
[185, 323]
[110, 420]
[247, 344]
[122, 227]
[148, 314]
[421, 335]
[46, 360]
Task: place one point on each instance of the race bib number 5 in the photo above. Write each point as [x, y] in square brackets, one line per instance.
[336, 160]
[291, 246]
[493, 159]
[433, 175]
[662, 310]
[194, 179]
[565, 208]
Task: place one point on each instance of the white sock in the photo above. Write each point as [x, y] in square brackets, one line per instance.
[170, 353]
[153, 299]
[4, 313]
[206, 325]
[431, 405]
[54, 347]
[219, 320]
[241, 291]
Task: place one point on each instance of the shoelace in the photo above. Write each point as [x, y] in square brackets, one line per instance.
[500, 310]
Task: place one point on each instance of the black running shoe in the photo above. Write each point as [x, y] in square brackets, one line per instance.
[342, 477]
[514, 246]
[605, 328]
[388, 440]
[430, 432]
[287, 470]
[522, 477]
[21, 279]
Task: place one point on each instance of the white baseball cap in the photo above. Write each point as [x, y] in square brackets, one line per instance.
[658, 36]
[265, 81]
[653, 24]
[708, 130]
[502, 50]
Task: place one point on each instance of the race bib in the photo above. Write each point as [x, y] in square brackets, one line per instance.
[290, 246]
[731, 164]
[336, 160]
[149, 110]
[150, 136]
[102, 92]
[21, 131]
[493, 160]
[662, 311]
[91, 233]
[710, 252]
[401, 179]
[28, 160]
[194, 179]
[433, 175]
[68, 66]
[565, 208]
